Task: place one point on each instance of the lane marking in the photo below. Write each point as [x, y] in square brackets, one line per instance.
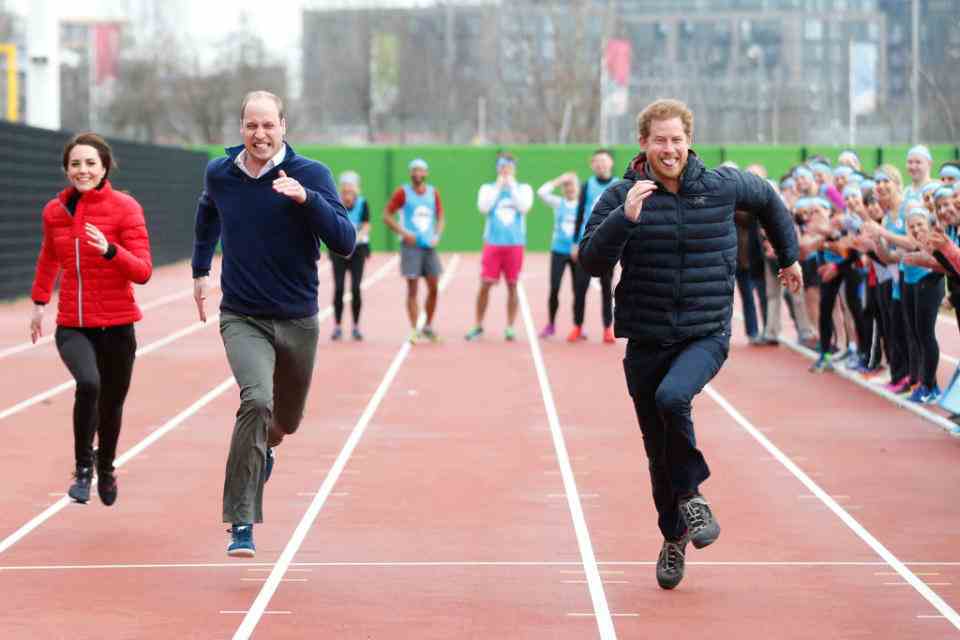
[259, 606]
[597, 596]
[266, 613]
[928, 594]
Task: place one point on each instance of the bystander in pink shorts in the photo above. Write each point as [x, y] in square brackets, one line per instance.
[507, 260]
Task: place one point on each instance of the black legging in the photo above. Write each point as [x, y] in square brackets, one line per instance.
[581, 282]
[828, 298]
[353, 264]
[101, 361]
[897, 350]
[921, 303]
[558, 266]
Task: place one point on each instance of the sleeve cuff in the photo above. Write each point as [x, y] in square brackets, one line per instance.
[111, 252]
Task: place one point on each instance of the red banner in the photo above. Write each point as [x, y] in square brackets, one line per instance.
[617, 60]
[106, 51]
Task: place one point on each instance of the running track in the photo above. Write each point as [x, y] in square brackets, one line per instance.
[471, 491]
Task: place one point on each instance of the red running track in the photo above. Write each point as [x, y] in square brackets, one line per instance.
[426, 495]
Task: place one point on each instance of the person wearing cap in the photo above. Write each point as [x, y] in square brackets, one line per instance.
[841, 177]
[273, 208]
[823, 175]
[850, 159]
[919, 164]
[670, 224]
[806, 185]
[949, 174]
[359, 214]
[943, 244]
[420, 229]
[601, 163]
[505, 203]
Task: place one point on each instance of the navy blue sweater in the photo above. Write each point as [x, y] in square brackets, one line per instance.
[270, 243]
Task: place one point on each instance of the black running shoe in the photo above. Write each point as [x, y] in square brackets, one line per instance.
[702, 527]
[107, 487]
[80, 489]
[670, 563]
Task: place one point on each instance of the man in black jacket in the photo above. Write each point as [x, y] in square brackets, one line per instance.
[669, 223]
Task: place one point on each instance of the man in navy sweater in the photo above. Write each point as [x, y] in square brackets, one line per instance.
[270, 208]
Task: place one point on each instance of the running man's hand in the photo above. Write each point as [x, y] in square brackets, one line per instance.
[792, 277]
[36, 323]
[200, 287]
[290, 188]
[639, 192]
[96, 239]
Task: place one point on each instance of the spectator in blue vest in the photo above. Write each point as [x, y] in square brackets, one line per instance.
[420, 229]
[602, 166]
[359, 214]
[564, 227]
[272, 208]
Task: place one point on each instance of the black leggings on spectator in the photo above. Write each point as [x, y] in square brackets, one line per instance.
[558, 266]
[828, 298]
[921, 305]
[354, 264]
[101, 361]
[581, 284]
[898, 354]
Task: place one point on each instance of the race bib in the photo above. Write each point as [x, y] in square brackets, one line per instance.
[423, 218]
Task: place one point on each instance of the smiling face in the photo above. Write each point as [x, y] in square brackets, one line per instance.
[667, 147]
[602, 165]
[263, 130]
[348, 194]
[947, 212]
[919, 168]
[918, 227]
[85, 170]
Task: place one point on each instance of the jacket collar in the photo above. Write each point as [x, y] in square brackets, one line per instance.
[90, 197]
[233, 152]
[639, 169]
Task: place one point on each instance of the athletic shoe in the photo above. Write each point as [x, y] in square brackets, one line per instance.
[919, 393]
[414, 337]
[356, 334]
[241, 541]
[474, 333]
[509, 334]
[337, 333]
[755, 341]
[268, 467]
[107, 487]
[548, 331]
[702, 527]
[770, 342]
[608, 336]
[899, 386]
[430, 334]
[932, 395]
[576, 334]
[80, 489]
[670, 563]
[823, 363]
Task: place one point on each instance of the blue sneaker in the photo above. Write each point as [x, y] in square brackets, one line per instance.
[823, 363]
[268, 468]
[932, 395]
[918, 394]
[241, 541]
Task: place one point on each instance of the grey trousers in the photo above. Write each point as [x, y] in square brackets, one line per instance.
[272, 361]
[774, 297]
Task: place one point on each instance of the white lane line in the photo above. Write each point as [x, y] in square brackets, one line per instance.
[163, 430]
[267, 578]
[893, 573]
[593, 615]
[598, 597]
[250, 620]
[265, 613]
[901, 402]
[174, 422]
[931, 596]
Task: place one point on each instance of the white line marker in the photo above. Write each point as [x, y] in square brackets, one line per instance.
[582, 495]
[907, 584]
[931, 596]
[249, 623]
[593, 615]
[893, 573]
[267, 578]
[929, 617]
[598, 597]
[266, 613]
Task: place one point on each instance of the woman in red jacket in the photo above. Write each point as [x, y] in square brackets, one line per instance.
[98, 239]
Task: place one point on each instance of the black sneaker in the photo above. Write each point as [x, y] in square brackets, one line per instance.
[241, 541]
[702, 527]
[670, 563]
[268, 468]
[80, 489]
[107, 487]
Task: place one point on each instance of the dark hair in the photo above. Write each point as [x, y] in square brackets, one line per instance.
[506, 155]
[869, 197]
[605, 152]
[91, 139]
[257, 95]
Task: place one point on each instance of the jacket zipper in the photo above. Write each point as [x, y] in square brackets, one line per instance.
[681, 228]
[79, 284]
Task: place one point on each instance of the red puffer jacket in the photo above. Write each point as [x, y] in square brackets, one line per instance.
[95, 291]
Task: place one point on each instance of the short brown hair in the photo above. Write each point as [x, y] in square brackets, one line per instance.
[665, 109]
[91, 139]
[257, 95]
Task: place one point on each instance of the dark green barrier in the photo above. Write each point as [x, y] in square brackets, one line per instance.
[897, 156]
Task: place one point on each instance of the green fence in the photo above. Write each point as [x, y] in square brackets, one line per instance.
[458, 171]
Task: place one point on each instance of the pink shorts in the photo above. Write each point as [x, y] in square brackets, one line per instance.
[507, 260]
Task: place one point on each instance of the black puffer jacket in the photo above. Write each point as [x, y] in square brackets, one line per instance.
[679, 259]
